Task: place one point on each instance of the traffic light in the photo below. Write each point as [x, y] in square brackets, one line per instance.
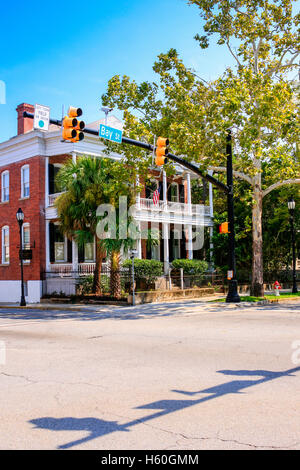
[161, 151]
[223, 228]
[71, 126]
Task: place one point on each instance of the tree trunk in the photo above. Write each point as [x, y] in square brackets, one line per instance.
[115, 279]
[257, 285]
[97, 272]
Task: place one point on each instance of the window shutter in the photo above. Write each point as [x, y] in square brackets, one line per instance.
[51, 178]
[69, 251]
[51, 241]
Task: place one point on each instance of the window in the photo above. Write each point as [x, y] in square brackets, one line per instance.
[25, 181]
[89, 252]
[26, 237]
[59, 245]
[173, 192]
[5, 186]
[5, 245]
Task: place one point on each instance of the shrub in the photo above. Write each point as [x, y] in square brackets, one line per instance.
[84, 285]
[190, 266]
[148, 269]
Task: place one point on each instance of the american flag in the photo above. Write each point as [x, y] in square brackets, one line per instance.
[156, 196]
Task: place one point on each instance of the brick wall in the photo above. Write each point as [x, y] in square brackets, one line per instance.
[34, 211]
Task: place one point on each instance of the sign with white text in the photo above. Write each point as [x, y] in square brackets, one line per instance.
[41, 117]
[110, 133]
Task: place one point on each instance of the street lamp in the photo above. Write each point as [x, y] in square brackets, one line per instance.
[132, 256]
[291, 207]
[20, 219]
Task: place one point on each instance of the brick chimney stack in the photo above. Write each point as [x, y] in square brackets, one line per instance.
[24, 124]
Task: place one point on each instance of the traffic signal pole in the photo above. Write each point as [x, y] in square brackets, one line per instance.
[232, 295]
[228, 189]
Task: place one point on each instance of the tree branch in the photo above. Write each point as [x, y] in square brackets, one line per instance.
[237, 174]
[233, 54]
[280, 183]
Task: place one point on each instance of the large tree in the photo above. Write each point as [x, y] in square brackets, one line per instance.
[257, 99]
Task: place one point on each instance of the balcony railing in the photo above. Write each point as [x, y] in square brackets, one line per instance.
[52, 197]
[161, 206]
[170, 206]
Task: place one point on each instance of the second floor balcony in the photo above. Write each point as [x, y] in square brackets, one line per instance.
[162, 211]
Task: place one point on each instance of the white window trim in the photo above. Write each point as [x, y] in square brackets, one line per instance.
[27, 224]
[94, 253]
[3, 246]
[24, 167]
[6, 172]
[57, 165]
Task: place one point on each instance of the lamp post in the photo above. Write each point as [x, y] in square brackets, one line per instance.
[132, 256]
[20, 219]
[291, 207]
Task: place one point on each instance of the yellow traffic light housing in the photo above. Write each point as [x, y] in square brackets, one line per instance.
[223, 228]
[161, 151]
[71, 127]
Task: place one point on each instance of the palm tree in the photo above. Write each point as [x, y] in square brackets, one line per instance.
[88, 183]
[83, 182]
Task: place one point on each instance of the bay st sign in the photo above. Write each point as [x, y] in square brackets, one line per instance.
[110, 133]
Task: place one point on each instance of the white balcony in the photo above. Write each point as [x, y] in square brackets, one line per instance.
[172, 212]
[163, 211]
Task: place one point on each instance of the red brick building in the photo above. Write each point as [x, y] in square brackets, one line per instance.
[28, 164]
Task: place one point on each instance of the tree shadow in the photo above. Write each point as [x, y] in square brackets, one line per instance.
[139, 312]
[98, 427]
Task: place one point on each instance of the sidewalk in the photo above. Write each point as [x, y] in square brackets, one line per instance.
[88, 306]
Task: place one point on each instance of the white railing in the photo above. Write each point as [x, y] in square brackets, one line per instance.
[52, 197]
[65, 269]
[86, 268]
[169, 206]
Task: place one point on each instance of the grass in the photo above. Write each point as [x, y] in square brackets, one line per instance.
[251, 298]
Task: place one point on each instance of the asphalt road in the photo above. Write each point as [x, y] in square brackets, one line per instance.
[185, 375]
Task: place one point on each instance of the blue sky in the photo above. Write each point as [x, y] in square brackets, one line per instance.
[56, 53]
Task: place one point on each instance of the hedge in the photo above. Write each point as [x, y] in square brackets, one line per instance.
[190, 266]
[148, 269]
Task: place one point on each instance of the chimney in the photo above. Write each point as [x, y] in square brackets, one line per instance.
[24, 124]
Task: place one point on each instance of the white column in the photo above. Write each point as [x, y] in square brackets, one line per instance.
[47, 240]
[139, 242]
[46, 181]
[165, 230]
[138, 196]
[189, 227]
[74, 157]
[165, 187]
[190, 241]
[189, 192]
[74, 256]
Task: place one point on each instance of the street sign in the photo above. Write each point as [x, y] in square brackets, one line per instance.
[229, 275]
[110, 133]
[41, 117]
[25, 254]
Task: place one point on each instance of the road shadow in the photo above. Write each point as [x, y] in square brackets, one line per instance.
[164, 309]
[98, 427]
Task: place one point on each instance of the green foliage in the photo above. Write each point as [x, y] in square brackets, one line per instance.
[84, 285]
[190, 266]
[148, 269]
